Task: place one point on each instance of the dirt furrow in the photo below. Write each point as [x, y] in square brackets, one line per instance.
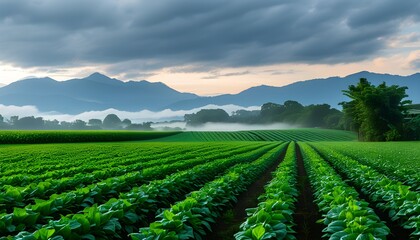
[227, 225]
[306, 213]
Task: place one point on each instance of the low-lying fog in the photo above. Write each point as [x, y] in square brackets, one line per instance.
[224, 126]
[135, 117]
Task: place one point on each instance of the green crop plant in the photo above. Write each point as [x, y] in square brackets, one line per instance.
[272, 218]
[18, 197]
[401, 204]
[133, 208]
[71, 136]
[191, 218]
[345, 215]
[399, 161]
[265, 135]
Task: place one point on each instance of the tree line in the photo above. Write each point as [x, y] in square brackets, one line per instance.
[290, 112]
[375, 113]
[111, 121]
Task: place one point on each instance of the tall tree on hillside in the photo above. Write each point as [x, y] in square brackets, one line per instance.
[375, 112]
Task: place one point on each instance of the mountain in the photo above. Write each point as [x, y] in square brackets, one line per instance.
[99, 92]
[316, 91]
[93, 93]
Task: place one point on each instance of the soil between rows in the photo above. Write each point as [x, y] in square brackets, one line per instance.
[227, 225]
[306, 213]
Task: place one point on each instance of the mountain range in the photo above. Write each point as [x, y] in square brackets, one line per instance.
[93, 93]
[98, 92]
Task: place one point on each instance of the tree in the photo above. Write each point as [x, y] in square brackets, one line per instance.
[112, 121]
[65, 125]
[292, 111]
[126, 123]
[13, 120]
[244, 116]
[412, 129]
[29, 123]
[376, 112]
[79, 124]
[52, 124]
[146, 126]
[97, 123]
[271, 112]
[3, 125]
[206, 115]
[320, 115]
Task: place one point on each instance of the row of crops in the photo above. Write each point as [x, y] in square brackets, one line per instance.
[72, 136]
[181, 191]
[310, 134]
[120, 193]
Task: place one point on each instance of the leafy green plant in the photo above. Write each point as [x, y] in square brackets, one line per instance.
[399, 161]
[401, 204]
[272, 218]
[344, 213]
[52, 136]
[191, 218]
[132, 209]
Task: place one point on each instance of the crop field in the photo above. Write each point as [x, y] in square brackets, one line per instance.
[265, 135]
[291, 184]
[54, 136]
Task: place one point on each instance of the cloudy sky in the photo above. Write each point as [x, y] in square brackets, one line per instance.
[208, 47]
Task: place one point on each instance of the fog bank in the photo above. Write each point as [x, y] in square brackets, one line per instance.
[225, 126]
[135, 117]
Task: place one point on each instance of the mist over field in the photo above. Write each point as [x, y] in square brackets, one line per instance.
[228, 126]
[135, 117]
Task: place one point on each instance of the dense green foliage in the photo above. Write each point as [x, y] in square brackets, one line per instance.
[206, 115]
[272, 218]
[128, 186]
[309, 134]
[74, 136]
[400, 202]
[398, 160]
[291, 112]
[178, 190]
[376, 112]
[62, 136]
[111, 121]
[191, 218]
[346, 216]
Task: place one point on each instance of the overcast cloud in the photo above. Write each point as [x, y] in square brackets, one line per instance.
[151, 35]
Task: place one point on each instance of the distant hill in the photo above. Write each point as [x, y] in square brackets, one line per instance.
[99, 92]
[316, 91]
[95, 92]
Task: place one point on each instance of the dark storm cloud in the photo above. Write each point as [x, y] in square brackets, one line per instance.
[156, 34]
